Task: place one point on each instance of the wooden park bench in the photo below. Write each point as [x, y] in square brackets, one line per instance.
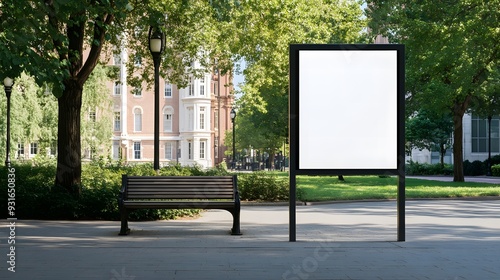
[179, 192]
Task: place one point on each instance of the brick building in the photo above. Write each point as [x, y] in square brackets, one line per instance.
[193, 120]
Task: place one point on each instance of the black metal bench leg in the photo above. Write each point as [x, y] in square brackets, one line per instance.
[124, 230]
[236, 222]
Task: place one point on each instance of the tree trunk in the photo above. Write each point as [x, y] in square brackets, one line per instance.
[69, 164]
[458, 169]
[442, 152]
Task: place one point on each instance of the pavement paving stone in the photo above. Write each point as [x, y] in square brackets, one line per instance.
[445, 239]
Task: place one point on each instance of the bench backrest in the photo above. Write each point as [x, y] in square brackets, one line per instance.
[179, 187]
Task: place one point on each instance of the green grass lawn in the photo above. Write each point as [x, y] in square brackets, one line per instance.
[322, 188]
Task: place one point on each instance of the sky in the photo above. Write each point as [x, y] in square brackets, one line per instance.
[239, 78]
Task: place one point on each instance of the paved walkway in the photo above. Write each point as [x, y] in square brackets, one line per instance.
[445, 239]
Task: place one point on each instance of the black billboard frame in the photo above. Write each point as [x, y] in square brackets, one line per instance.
[294, 137]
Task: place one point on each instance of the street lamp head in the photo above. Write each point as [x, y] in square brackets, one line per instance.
[232, 114]
[8, 82]
[156, 40]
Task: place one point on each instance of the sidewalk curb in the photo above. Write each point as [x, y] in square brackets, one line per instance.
[313, 203]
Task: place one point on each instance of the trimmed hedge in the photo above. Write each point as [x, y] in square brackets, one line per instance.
[36, 196]
[475, 168]
[263, 186]
[415, 168]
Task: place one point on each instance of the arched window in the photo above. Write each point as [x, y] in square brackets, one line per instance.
[168, 113]
[168, 90]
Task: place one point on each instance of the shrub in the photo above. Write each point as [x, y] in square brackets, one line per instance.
[415, 168]
[495, 170]
[262, 186]
[474, 168]
[494, 160]
[38, 198]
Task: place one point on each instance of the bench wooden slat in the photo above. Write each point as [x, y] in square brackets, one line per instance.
[178, 205]
[179, 192]
[178, 196]
[181, 188]
[174, 179]
[173, 186]
[167, 192]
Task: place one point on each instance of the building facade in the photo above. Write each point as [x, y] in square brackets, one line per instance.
[476, 135]
[193, 120]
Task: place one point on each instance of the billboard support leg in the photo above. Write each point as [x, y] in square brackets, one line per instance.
[401, 207]
[293, 206]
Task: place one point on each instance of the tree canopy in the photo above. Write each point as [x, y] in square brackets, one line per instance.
[429, 130]
[264, 30]
[453, 54]
[59, 43]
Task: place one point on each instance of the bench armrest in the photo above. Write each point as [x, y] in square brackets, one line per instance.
[123, 191]
[236, 192]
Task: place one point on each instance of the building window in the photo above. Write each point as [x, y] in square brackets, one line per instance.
[92, 117]
[137, 150]
[202, 87]
[137, 60]
[216, 145]
[117, 59]
[20, 150]
[116, 150]
[168, 150]
[118, 88]
[179, 149]
[168, 90]
[137, 119]
[53, 148]
[190, 150]
[167, 119]
[190, 115]
[216, 119]
[202, 117]
[480, 135]
[33, 148]
[203, 145]
[191, 88]
[117, 121]
[137, 91]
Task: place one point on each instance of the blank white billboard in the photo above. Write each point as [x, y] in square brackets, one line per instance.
[348, 109]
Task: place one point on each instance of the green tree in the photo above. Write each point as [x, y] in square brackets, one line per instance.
[96, 129]
[32, 116]
[453, 53]
[61, 42]
[264, 30]
[48, 135]
[427, 130]
[26, 114]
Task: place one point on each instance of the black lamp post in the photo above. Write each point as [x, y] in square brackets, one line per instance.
[233, 119]
[7, 84]
[488, 173]
[156, 47]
